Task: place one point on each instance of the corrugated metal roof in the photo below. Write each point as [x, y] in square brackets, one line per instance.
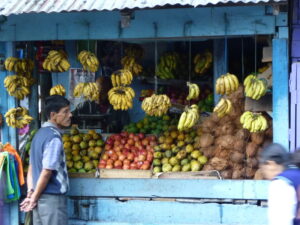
[8, 7]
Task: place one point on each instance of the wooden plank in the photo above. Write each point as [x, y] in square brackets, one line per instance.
[242, 20]
[110, 211]
[119, 173]
[263, 104]
[169, 188]
[280, 92]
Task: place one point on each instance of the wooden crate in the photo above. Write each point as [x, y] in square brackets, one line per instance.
[208, 175]
[119, 173]
[82, 175]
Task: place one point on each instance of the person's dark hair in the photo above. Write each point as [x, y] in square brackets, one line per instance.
[296, 158]
[55, 103]
[275, 152]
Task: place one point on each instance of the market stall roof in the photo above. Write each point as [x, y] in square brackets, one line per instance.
[8, 7]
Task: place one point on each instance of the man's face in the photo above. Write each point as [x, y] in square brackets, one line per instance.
[63, 117]
[270, 169]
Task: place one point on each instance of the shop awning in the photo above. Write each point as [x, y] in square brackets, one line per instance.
[8, 7]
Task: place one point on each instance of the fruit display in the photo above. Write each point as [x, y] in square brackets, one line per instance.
[226, 84]
[87, 90]
[121, 78]
[130, 63]
[151, 125]
[255, 88]
[82, 150]
[58, 90]
[17, 117]
[176, 152]
[230, 149]
[19, 65]
[206, 104]
[88, 60]
[156, 105]
[128, 151]
[223, 107]
[27, 150]
[121, 98]
[188, 118]
[202, 62]
[167, 66]
[56, 61]
[194, 91]
[254, 122]
[17, 86]
[133, 53]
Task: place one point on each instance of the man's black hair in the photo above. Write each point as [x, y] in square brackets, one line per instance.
[55, 103]
[275, 152]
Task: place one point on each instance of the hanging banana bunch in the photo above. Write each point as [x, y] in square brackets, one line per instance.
[129, 63]
[223, 107]
[255, 88]
[17, 117]
[17, 86]
[58, 90]
[167, 66]
[202, 62]
[226, 84]
[121, 78]
[188, 118]
[56, 61]
[156, 105]
[194, 91]
[121, 98]
[254, 122]
[89, 91]
[88, 60]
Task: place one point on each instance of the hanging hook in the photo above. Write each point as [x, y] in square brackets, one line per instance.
[187, 26]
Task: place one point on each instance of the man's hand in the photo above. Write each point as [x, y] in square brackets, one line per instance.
[28, 204]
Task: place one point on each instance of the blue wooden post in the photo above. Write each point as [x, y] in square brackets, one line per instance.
[219, 60]
[280, 92]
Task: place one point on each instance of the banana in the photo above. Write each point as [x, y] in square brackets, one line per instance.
[58, 90]
[56, 61]
[17, 117]
[188, 118]
[254, 87]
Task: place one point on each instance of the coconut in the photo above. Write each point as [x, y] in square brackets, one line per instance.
[226, 174]
[257, 138]
[207, 167]
[237, 174]
[250, 172]
[227, 129]
[242, 134]
[225, 141]
[208, 151]
[206, 140]
[237, 157]
[251, 149]
[252, 162]
[239, 145]
[218, 163]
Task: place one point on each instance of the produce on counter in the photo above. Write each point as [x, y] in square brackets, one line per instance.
[194, 91]
[188, 118]
[231, 149]
[82, 150]
[156, 105]
[176, 152]
[226, 84]
[151, 125]
[255, 88]
[128, 151]
[58, 90]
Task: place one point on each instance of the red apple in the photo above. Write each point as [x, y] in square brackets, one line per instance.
[118, 163]
[109, 162]
[109, 166]
[102, 166]
[130, 156]
[130, 141]
[141, 158]
[144, 167]
[124, 134]
[131, 135]
[126, 162]
[117, 143]
[145, 142]
[133, 166]
[118, 167]
[122, 157]
[110, 152]
[136, 138]
[141, 135]
[107, 147]
[114, 157]
[139, 164]
[123, 141]
[126, 167]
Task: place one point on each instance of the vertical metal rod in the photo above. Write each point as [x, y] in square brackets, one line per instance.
[243, 64]
[255, 53]
[190, 59]
[155, 77]
[226, 43]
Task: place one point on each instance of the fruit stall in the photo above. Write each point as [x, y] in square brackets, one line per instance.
[170, 110]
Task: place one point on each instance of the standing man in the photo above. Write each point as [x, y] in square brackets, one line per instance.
[47, 178]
